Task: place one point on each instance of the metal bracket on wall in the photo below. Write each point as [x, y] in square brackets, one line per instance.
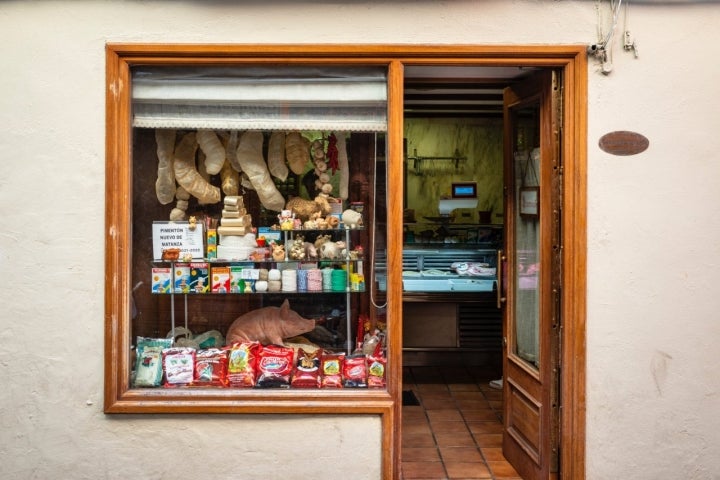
[430, 165]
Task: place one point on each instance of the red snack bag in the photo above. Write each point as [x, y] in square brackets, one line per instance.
[179, 366]
[211, 367]
[331, 367]
[242, 364]
[376, 370]
[275, 363]
[307, 369]
[355, 372]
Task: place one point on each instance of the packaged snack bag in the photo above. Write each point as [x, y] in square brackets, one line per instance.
[355, 372]
[331, 368]
[179, 366]
[376, 371]
[275, 364]
[148, 361]
[211, 367]
[242, 364]
[307, 369]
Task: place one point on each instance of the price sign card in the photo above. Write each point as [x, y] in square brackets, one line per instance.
[177, 235]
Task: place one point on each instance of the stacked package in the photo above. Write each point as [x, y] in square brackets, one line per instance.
[235, 226]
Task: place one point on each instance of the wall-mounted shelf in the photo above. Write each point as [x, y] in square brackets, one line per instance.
[435, 164]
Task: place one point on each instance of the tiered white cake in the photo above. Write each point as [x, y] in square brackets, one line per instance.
[236, 240]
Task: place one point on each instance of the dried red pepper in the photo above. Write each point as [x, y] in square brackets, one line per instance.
[332, 153]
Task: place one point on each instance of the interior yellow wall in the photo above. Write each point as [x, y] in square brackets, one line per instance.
[479, 140]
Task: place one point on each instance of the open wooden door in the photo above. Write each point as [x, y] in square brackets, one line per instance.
[531, 276]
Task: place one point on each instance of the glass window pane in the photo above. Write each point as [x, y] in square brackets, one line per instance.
[278, 169]
[527, 234]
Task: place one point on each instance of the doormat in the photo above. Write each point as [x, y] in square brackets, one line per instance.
[409, 399]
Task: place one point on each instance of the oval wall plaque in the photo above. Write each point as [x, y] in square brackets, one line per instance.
[623, 143]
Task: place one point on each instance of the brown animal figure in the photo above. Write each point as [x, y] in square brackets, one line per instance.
[332, 221]
[269, 325]
[333, 250]
[304, 209]
[278, 252]
[310, 251]
[320, 240]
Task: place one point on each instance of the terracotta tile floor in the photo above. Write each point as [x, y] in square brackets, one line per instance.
[456, 431]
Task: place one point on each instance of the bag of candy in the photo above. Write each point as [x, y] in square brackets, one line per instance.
[148, 361]
[307, 369]
[179, 366]
[211, 368]
[331, 368]
[355, 372]
[242, 364]
[376, 371]
[275, 364]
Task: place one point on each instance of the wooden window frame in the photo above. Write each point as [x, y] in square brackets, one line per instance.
[120, 398]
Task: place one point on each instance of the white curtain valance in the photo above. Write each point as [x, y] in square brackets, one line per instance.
[261, 98]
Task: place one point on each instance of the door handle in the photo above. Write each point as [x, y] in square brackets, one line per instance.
[500, 298]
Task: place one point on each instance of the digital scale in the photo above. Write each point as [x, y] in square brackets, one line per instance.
[462, 195]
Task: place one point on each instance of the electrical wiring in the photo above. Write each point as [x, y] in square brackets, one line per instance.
[603, 49]
[372, 230]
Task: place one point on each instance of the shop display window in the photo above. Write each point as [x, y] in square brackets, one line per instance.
[250, 201]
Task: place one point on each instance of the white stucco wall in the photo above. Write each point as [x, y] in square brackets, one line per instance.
[654, 244]
[653, 226]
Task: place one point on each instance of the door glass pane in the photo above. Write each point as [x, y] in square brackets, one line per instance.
[526, 152]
